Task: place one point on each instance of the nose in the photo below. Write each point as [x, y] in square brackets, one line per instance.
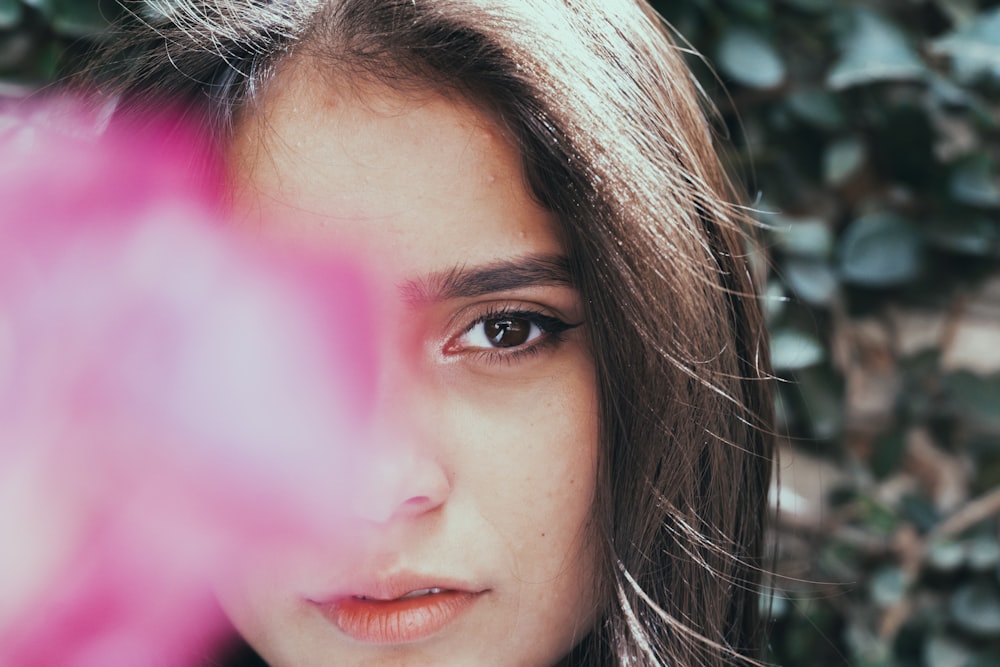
[401, 472]
[398, 482]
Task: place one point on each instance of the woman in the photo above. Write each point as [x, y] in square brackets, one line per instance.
[580, 379]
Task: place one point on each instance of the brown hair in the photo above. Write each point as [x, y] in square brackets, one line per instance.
[615, 142]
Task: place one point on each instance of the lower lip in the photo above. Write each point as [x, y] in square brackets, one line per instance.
[397, 621]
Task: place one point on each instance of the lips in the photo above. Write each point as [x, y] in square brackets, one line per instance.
[398, 614]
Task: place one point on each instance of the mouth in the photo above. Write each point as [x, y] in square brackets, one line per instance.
[380, 618]
[419, 593]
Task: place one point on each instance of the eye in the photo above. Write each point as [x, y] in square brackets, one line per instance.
[506, 334]
[504, 331]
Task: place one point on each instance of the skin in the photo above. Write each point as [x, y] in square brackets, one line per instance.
[484, 467]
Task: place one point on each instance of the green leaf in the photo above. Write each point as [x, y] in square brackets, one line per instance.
[985, 445]
[974, 397]
[919, 510]
[11, 12]
[43, 7]
[758, 10]
[946, 92]
[888, 586]
[792, 349]
[822, 394]
[946, 556]
[880, 250]
[76, 18]
[842, 159]
[980, 236]
[773, 603]
[810, 5]
[958, 11]
[783, 413]
[976, 609]
[874, 50]
[941, 651]
[868, 649]
[987, 477]
[748, 58]
[984, 553]
[974, 182]
[877, 516]
[803, 237]
[989, 658]
[975, 46]
[775, 300]
[888, 454]
[812, 281]
[816, 107]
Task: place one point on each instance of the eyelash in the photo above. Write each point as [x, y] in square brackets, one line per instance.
[552, 330]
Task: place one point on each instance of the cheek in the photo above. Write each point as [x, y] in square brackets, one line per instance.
[531, 449]
[532, 471]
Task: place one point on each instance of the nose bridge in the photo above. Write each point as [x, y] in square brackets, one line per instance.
[401, 472]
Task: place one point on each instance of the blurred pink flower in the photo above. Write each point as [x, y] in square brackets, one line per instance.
[171, 394]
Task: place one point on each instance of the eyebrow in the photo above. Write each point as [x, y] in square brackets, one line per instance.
[469, 282]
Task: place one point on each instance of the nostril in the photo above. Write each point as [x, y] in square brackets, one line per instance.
[416, 504]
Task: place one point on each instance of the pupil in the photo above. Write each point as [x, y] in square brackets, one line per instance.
[507, 332]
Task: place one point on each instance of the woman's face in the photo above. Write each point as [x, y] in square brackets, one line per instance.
[470, 543]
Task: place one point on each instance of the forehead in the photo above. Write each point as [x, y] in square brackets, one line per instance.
[422, 175]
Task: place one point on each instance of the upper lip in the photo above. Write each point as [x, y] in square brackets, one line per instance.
[396, 585]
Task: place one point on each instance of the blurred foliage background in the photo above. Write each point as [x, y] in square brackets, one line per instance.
[867, 135]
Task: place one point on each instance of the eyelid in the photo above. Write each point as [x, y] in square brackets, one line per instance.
[561, 303]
